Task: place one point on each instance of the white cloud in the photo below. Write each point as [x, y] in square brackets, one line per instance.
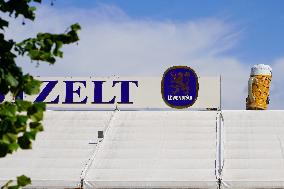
[277, 88]
[114, 44]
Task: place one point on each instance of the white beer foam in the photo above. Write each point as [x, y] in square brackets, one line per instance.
[261, 69]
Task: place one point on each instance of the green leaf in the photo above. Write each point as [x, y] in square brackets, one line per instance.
[3, 23]
[4, 149]
[57, 48]
[75, 27]
[41, 106]
[8, 109]
[23, 180]
[32, 86]
[34, 54]
[36, 125]
[24, 142]
[35, 112]
[32, 8]
[13, 147]
[7, 184]
[37, 116]
[9, 138]
[21, 123]
[23, 105]
[32, 134]
[46, 46]
[11, 80]
[13, 187]
[6, 125]
[4, 87]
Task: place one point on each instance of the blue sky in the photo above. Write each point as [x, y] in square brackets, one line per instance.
[145, 37]
[262, 22]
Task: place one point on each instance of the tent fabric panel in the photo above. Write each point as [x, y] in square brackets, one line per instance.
[253, 151]
[168, 150]
[59, 152]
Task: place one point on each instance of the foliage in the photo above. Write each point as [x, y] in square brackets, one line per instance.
[21, 182]
[20, 121]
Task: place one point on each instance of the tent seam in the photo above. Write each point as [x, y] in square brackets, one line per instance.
[98, 146]
[219, 148]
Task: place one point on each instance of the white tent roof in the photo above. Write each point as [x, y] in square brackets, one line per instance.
[254, 149]
[154, 149]
[60, 152]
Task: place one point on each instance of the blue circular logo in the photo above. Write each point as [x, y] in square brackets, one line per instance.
[179, 87]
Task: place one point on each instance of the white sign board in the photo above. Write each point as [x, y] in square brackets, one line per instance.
[117, 92]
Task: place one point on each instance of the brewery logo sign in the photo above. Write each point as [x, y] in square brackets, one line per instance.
[179, 87]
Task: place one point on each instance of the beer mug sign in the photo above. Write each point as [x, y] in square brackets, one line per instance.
[258, 87]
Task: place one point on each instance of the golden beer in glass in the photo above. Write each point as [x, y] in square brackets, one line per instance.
[258, 87]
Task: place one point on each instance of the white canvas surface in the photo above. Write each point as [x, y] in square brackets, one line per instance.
[158, 149]
[253, 151]
[154, 149]
[59, 153]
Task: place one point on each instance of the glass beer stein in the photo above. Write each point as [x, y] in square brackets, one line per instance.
[258, 87]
